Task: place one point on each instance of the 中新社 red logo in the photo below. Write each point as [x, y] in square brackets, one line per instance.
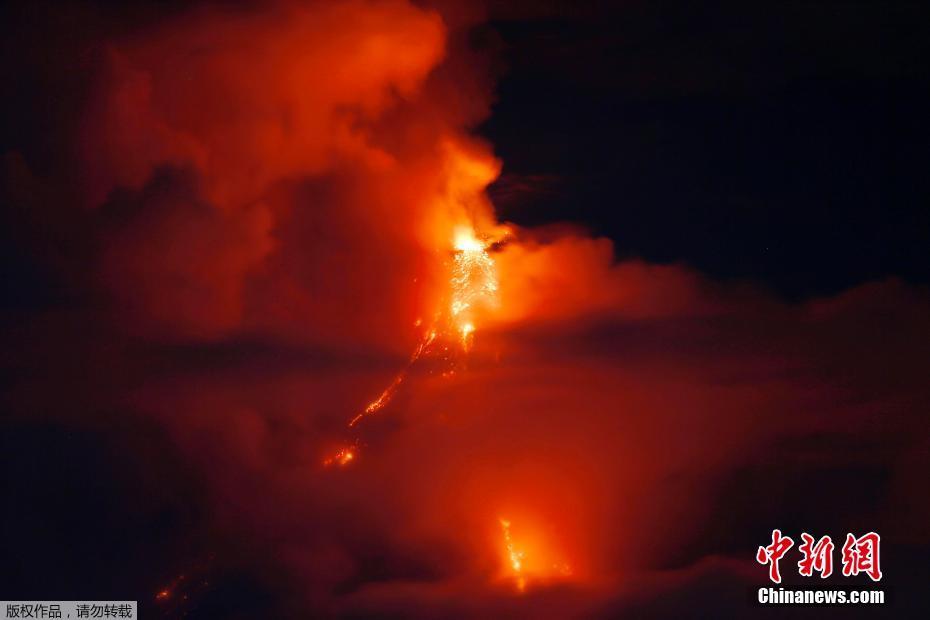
[858, 555]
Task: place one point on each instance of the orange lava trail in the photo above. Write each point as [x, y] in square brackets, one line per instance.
[388, 393]
[472, 280]
[516, 557]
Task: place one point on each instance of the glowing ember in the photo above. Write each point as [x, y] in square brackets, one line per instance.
[467, 330]
[175, 598]
[379, 403]
[516, 557]
[168, 591]
[342, 458]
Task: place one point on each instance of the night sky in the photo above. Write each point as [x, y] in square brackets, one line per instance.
[225, 227]
[786, 141]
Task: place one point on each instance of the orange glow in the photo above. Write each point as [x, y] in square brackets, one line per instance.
[293, 250]
[467, 330]
[385, 397]
[378, 403]
[473, 276]
[531, 552]
[342, 458]
[472, 283]
[515, 556]
[465, 240]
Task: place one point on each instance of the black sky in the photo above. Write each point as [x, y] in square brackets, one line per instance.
[783, 142]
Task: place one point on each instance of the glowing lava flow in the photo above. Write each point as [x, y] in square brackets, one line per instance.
[473, 277]
[472, 280]
[516, 557]
[342, 458]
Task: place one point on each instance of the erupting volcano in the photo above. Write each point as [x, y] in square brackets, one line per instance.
[444, 309]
